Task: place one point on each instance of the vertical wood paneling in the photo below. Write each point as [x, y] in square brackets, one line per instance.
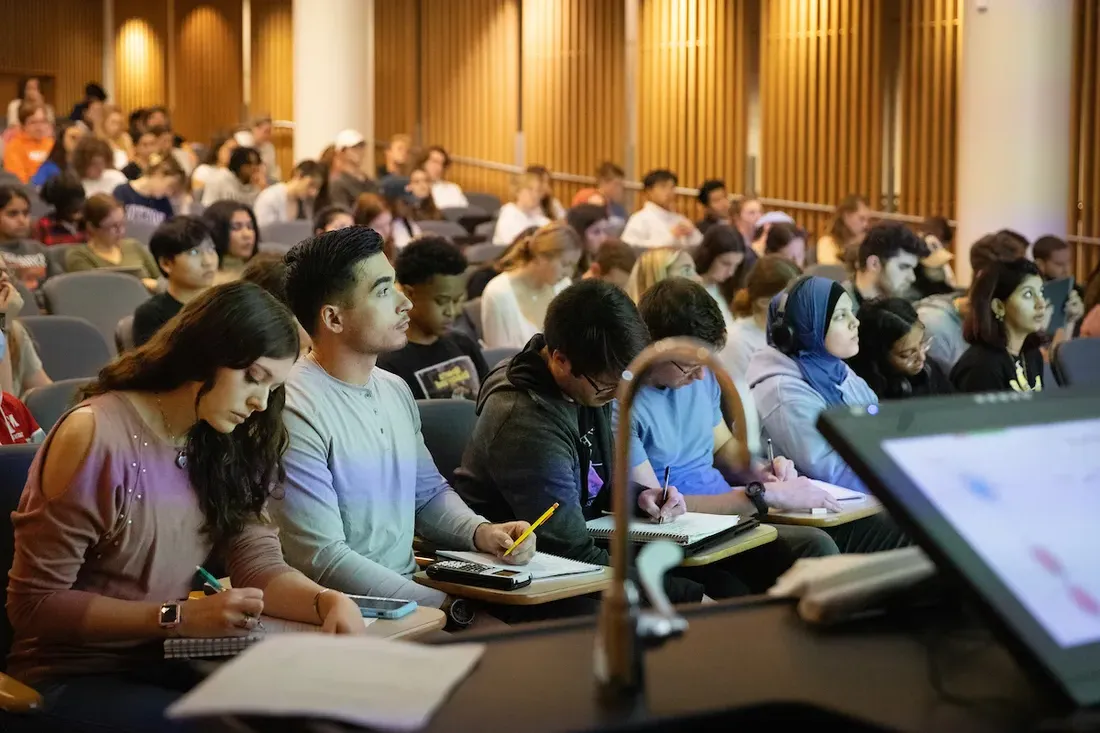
[1084, 209]
[930, 45]
[208, 73]
[578, 44]
[141, 53]
[822, 100]
[469, 59]
[60, 40]
[395, 62]
[272, 89]
[692, 100]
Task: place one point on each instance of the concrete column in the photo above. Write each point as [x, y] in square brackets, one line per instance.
[333, 72]
[1015, 78]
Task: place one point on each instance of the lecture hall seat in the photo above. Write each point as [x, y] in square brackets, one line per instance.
[1076, 363]
[68, 347]
[446, 426]
[102, 298]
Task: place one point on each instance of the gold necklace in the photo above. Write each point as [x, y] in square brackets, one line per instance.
[181, 457]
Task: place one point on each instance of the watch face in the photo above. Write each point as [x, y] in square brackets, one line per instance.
[461, 612]
[169, 614]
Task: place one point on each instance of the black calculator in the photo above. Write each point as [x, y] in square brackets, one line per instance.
[483, 576]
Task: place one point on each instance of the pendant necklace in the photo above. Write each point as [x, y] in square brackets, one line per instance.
[181, 458]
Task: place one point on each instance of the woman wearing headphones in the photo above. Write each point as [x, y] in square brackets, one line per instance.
[812, 329]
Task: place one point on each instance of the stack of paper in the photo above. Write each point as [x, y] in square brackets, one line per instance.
[375, 683]
[542, 565]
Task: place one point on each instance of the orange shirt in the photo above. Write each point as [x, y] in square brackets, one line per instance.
[23, 155]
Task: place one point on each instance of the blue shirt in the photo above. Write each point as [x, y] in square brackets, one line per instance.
[675, 428]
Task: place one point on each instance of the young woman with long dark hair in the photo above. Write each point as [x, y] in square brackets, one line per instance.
[893, 352]
[236, 237]
[166, 464]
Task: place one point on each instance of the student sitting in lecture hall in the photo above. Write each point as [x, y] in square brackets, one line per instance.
[92, 164]
[349, 181]
[551, 207]
[1054, 258]
[148, 199]
[167, 463]
[886, 264]
[668, 430]
[236, 237]
[68, 136]
[749, 332]
[608, 193]
[112, 130]
[525, 211]
[747, 216]
[25, 153]
[543, 433]
[218, 153]
[437, 362]
[613, 263]
[590, 222]
[419, 196]
[65, 194]
[1007, 312]
[25, 258]
[719, 260]
[331, 218]
[656, 224]
[242, 181]
[105, 223]
[655, 265]
[20, 360]
[812, 329]
[514, 303]
[447, 195]
[893, 351]
[787, 241]
[716, 204]
[145, 147]
[294, 199]
[850, 223]
[360, 481]
[187, 257]
[395, 158]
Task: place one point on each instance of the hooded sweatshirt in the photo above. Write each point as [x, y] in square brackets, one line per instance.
[789, 407]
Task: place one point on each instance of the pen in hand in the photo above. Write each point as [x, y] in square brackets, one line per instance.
[771, 456]
[219, 588]
[664, 495]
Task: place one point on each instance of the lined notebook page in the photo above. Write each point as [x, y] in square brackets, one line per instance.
[686, 529]
[228, 646]
[542, 565]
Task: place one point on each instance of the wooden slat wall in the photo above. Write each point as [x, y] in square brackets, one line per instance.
[58, 39]
[930, 45]
[394, 67]
[141, 53]
[469, 60]
[573, 109]
[692, 111]
[207, 67]
[273, 70]
[822, 100]
[1084, 210]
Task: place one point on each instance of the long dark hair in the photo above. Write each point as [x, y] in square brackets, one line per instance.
[881, 323]
[219, 217]
[997, 281]
[229, 326]
[58, 155]
[719, 240]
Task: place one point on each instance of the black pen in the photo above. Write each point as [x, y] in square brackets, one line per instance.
[664, 494]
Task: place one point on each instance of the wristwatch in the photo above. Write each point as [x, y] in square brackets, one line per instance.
[459, 614]
[171, 614]
[755, 492]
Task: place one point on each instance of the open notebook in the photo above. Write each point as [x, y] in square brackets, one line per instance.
[542, 565]
[840, 493]
[687, 529]
[228, 646]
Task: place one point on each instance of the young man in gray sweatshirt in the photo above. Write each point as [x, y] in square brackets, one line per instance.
[360, 481]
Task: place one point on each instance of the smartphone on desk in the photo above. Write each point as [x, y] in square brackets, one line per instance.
[384, 608]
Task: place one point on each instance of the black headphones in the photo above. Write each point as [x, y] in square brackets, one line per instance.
[782, 333]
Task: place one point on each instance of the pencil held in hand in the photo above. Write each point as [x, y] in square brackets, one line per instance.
[531, 529]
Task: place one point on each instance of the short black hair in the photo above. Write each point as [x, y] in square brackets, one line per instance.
[678, 307]
[176, 236]
[240, 157]
[1046, 246]
[94, 91]
[659, 176]
[309, 169]
[596, 326]
[583, 216]
[428, 256]
[321, 270]
[886, 241]
[65, 193]
[709, 186]
[268, 270]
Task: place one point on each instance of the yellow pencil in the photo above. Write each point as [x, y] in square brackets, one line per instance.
[531, 529]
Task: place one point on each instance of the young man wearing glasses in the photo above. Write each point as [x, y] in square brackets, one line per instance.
[543, 433]
[186, 256]
[670, 430]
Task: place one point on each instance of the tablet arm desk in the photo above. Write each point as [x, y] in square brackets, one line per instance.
[625, 631]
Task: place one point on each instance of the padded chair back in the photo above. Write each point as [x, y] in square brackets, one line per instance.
[487, 202]
[494, 357]
[124, 334]
[1077, 363]
[68, 347]
[286, 232]
[837, 273]
[142, 231]
[30, 301]
[15, 465]
[273, 248]
[443, 228]
[49, 403]
[447, 426]
[485, 229]
[479, 254]
[103, 298]
[39, 208]
[56, 254]
[471, 314]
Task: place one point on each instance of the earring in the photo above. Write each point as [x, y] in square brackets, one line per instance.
[999, 316]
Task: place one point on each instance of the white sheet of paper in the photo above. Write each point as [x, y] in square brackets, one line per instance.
[542, 565]
[839, 492]
[389, 685]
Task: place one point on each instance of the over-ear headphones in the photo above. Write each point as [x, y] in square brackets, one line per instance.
[782, 333]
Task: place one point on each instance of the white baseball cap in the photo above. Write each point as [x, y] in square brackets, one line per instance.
[349, 139]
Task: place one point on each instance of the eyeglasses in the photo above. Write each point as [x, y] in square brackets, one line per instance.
[911, 355]
[692, 371]
[597, 389]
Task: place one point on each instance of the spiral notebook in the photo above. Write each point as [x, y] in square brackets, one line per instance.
[229, 646]
[688, 530]
[542, 565]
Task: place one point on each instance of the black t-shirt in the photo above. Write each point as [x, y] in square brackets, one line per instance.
[451, 368]
[132, 171]
[987, 369]
[152, 314]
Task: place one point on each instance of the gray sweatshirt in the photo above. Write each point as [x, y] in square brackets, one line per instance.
[359, 484]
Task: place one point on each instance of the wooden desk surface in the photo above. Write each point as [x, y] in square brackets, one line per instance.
[865, 508]
[735, 545]
[418, 623]
[540, 591]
